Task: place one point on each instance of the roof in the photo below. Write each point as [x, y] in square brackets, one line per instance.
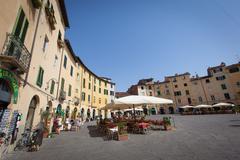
[233, 65]
[219, 66]
[78, 60]
[64, 12]
[178, 75]
[198, 78]
[144, 81]
[121, 94]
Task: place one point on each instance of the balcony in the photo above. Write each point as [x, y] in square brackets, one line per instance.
[15, 55]
[62, 95]
[51, 17]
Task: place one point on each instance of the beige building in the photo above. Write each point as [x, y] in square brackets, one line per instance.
[222, 84]
[39, 70]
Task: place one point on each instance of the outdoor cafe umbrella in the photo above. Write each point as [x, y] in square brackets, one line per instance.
[203, 106]
[133, 101]
[185, 107]
[223, 105]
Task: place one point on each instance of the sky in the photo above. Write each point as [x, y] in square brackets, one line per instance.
[128, 40]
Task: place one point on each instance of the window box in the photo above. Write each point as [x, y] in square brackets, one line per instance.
[37, 3]
[51, 18]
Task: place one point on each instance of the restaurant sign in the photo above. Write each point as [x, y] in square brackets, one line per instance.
[13, 82]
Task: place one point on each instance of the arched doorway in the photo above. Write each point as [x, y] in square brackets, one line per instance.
[171, 110]
[67, 112]
[5, 96]
[94, 113]
[88, 114]
[162, 111]
[153, 111]
[31, 111]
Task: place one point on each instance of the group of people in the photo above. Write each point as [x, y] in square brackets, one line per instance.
[68, 125]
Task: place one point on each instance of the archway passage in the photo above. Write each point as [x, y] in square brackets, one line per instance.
[162, 110]
[10, 78]
[31, 111]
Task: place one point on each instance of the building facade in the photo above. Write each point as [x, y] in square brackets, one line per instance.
[222, 84]
[39, 70]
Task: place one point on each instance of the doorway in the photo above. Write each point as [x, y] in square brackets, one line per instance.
[31, 111]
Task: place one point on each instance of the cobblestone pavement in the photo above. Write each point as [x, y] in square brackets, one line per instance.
[204, 137]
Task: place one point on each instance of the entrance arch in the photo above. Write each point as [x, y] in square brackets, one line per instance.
[31, 111]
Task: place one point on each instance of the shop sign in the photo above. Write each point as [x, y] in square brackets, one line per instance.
[9, 76]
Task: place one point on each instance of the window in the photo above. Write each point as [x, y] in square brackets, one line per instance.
[223, 86]
[179, 101]
[105, 101]
[111, 86]
[187, 92]
[185, 84]
[59, 35]
[84, 83]
[94, 99]
[89, 98]
[189, 101]
[142, 88]
[174, 80]
[90, 77]
[52, 87]
[83, 96]
[112, 93]
[167, 92]
[220, 78]
[94, 88]
[158, 93]
[200, 99]
[62, 84]
[94, 80]
[177, 93]
[207, 81]
[21, 25]
[150, 93]
[166, 86]
[233, 70]
[99, 90]
[105, 84]
[150, 87]
[65, 62]
[89, 85]
[71, 71]
[105, 92]
[46, 40]
[176, 86]
[99, 82]
[212, 97]
[99, 100]
[40, 77]
[238, 84]
[227, 96]
[78, 76]
[69, 90]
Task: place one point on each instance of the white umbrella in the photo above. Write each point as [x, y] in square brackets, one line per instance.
[187, 106]
[203, 106]
[223, 104]
[134, 101]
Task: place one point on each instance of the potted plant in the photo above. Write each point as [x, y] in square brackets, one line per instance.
[167, 123]
[46, 118]
[122, 131]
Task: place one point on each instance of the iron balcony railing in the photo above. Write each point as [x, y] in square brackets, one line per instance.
[15, 54]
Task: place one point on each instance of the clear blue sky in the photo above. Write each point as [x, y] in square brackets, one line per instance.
[128, 40]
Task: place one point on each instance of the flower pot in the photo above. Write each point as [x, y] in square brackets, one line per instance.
[123, 137]
[167, 127]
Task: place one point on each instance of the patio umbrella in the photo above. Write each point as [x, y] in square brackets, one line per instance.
[187, 106]
[134, 101]
[223, 104]
[203, 106]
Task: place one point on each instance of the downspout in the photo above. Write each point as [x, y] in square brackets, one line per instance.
[59, 75]
[204, 91]
[33, 44]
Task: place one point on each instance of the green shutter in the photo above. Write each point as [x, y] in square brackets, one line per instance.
[52, 87]
[70, 90]
[40, 77]
[62, 84]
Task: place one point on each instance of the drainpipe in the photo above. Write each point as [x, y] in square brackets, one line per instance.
[33, 44]
[59, 75]
[204, 91]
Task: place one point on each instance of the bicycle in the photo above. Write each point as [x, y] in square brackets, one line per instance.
[24, 142]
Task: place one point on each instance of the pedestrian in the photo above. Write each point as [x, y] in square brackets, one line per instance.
[78, 124]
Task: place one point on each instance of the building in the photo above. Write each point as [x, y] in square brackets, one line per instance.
[39, 70]
[222, 84]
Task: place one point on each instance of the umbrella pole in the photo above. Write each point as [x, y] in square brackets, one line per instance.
[134, 114]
